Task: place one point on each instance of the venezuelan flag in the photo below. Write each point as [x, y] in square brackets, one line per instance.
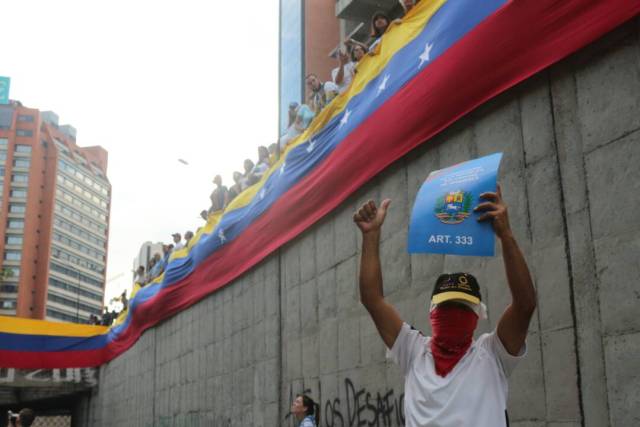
[446, 58]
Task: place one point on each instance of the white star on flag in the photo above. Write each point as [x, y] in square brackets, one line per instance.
[345, 118]
[425, 57]
[282, 168]
[262, 193]
[311, 146]
[383, 85]
[221, 236]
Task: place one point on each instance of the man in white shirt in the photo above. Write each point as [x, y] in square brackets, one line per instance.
[450, 379]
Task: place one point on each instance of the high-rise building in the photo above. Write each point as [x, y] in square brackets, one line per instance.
[54, 218]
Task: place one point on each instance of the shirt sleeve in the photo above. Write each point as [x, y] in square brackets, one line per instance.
[508, 362]
[409, 343]
[306, 422]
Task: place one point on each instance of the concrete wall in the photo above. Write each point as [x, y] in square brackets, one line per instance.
[571, 137]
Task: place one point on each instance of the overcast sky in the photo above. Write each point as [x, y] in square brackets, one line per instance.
[152, 82]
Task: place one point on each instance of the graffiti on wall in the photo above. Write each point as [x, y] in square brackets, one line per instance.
[358, 408]
[87, 377]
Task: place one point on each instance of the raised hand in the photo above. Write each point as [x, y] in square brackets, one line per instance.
[369, 218]
[495, 210]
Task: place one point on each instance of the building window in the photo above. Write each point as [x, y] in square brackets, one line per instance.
[14, 239]
[22, 148]
[9, 272]
[1, 171]
[3, 156]
[7, 304]
[16, 224]
[12, 255]
[21, 163]
[20, 177]
[71, 303]
[62, 316]
[26, 118]
[17, 208]
[71, 272]
[19, 194]
[8, 288]
[4, 142]
[74, 289]
[24, 132]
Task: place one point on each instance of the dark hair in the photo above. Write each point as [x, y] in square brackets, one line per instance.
[27, 416]
[353, 51]
[376, 33]
[312, 407]
[263, 153]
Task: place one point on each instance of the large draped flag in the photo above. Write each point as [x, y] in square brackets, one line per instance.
[445, 58]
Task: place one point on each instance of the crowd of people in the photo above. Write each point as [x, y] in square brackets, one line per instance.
[300, 116]
[320, 93]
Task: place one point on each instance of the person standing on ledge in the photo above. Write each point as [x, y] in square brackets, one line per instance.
[450, 379]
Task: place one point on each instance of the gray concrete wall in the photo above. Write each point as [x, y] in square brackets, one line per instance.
[571, 138]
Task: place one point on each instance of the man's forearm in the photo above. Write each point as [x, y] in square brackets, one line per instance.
[518, 276]
[370, 270]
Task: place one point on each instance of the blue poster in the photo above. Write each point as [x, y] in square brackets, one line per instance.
[443, 221]
[4, 89]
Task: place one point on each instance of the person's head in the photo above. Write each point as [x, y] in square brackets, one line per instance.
[171, 247]
[217, 180]
[140, 270]
[157, 256]
[407, 5]
[456, 304]
[263, 153]
[176, 238]
[379, 24]
[313, 82]
[248, 166]
[204, 214]
[237, 176]
[357, 52]
[188, 235]
[303, 406]
[26, 417]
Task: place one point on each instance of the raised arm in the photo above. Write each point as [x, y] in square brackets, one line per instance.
[369, 220]
[514, 323]
[343, 58]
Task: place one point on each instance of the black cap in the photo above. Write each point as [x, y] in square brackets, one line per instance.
[456, 286]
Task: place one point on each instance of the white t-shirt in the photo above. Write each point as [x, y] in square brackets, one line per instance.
[474, 393]
[348, 73]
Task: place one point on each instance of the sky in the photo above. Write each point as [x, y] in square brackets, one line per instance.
[151, 82]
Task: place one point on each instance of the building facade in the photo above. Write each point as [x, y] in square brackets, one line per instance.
[54, 211]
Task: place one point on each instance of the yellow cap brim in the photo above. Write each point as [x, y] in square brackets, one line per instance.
[449, 296]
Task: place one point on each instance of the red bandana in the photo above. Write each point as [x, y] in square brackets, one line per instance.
[452, 328]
